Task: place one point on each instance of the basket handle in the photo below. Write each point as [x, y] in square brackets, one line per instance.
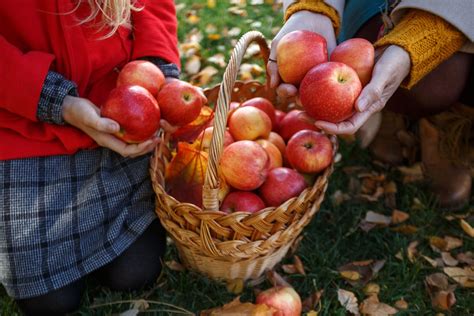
[210, 191]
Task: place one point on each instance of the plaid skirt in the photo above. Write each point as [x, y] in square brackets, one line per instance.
[62, 217]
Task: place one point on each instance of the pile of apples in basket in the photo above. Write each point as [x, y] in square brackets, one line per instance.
[269, 156]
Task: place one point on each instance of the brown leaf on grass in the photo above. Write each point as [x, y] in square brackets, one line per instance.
[417, 204]
[390, 190]
[376, 218]
[372, 306]
[348, 300]
[237, 11]
[467, 228]
[405, 229]
[360, 272]
[366, 226]
[192, 65]
[235, 286]
[312, 301]
[401, 304]
[399, 216]
[372, 197]
[463, 276]
[338, 198]
[443, 300]
[295, 268]
[371, 289]
[453, 217]
[448, 259]
[440, 291]
[466, 257]
[431, 261]
[238, 308]
[203, 77]
[276, 279]
[447, 243]
[175, 266]
[411, 174]
[412, 251]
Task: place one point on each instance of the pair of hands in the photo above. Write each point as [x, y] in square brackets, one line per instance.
[391, 67]
[84, 115]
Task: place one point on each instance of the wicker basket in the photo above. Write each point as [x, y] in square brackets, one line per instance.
[237, 245]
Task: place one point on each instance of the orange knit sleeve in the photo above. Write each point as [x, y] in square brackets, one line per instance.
[316, 6]
[428, 39]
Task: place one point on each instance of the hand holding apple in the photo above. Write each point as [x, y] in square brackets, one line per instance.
[142, 73]
[389, 71]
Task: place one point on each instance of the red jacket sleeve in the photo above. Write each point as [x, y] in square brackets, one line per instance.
[155, 31]
[21, 79]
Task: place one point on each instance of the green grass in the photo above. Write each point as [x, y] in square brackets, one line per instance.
[330, 240]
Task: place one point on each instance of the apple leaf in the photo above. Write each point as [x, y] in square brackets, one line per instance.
[188, 133]
[185, 174]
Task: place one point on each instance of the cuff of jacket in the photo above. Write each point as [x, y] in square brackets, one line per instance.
[315, 6]
[55, 89]
[428, 39]
[168, 69]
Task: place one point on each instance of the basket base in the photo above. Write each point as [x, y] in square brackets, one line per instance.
[226, 270]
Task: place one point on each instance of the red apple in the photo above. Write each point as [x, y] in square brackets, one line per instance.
[249, 123]
[203, 141]
[242, 201]
[298, 52]
[180, 102]
[142, 73]
[295, 121]
[135, 110]
[281, 185]
[276, 159]
[264, 105]
[329, 90]
[278, 141]
[284, 299]
[244, 165]
[309, 151]
[357, 53]
[279, 115]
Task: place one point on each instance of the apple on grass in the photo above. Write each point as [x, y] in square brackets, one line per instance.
[142, 73]
[242, 201]
[135, 110]
[295, 121]
[264, 105]
[329, 90]
[180, 102]
[249, 123]
[358, 53]
[298, 52]
[309, 151]
[244, 165]
[284, 299]
[280, 185]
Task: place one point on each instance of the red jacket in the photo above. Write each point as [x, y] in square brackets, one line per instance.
[40, 35]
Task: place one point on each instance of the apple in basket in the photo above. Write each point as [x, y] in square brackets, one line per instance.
[295, 121]
[279, 115]
[278, 141]
[142, 73]
[284, 299]
[180, 102]
[276, 159]
[249, 123]
[244, 165]
[329, 90]
[242, 201]
[264, 105]
[309, 151]
[135, 110]
[298, 52]
[280, 185]
[203, 141]
[357, 53]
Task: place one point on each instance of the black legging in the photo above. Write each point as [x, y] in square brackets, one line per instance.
[137, 267]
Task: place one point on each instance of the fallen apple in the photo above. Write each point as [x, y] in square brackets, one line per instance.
[280, 185]
[284, 299]
[329, 90]
[142, 73]
[309, 151]
[242, 201]
[135, 110]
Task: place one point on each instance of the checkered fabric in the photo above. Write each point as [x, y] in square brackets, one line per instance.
[62, 217]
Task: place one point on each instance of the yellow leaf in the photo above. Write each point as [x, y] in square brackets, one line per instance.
[211, 4]
[235, 286]
[412, 251]
[467, 228]
[399, 217]
[405, 229]
[371, 289]
[312, 313]
[238, 308]
[214, 37]
[401, 304]
[350, 275]
[192, 19]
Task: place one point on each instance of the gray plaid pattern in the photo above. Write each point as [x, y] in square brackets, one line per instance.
[55, 89]
[62, 217]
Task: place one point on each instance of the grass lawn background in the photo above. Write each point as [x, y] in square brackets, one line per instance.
[332, 239]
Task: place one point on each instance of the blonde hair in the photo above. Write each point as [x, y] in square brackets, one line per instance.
[115, 13]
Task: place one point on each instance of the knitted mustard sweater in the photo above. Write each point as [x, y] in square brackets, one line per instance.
[428, 39]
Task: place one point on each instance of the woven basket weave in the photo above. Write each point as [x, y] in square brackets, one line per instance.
[238, 245]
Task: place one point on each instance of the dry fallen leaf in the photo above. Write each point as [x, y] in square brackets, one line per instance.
[401, 304]
[238, 308]
[464, 277]
[295, 268]
[376, 218]
[235, 286]
[371, 289]
[448, 259]
[447, 243]
[311, 302]
[467, 228]
[348, 300]
[443, 300]
[411, 174]
[440, 291]
[399, 216]
[338, 198]
[390, 190]
[372, 306]
[360, 272]
[433, 262]
[175, 266]
[203, 77]
[192, 65]
[412, 251]
[466, 257]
